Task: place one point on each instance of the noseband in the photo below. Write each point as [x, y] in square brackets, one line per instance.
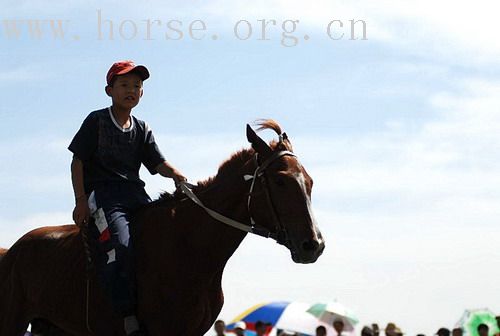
[280, 235]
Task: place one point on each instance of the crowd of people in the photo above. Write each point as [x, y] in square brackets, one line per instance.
[262, 328]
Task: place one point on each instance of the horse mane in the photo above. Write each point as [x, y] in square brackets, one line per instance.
[235, 161]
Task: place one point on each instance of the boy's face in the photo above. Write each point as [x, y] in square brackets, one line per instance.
[126, 90]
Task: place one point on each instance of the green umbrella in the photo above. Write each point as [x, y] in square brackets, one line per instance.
[329, 312]
[471, 319]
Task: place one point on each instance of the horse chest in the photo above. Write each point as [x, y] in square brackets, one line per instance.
[188, 307]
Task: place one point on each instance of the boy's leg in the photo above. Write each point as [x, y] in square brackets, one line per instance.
[115, 268]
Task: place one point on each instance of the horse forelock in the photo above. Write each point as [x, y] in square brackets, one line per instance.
[275, 126]
[269, 124]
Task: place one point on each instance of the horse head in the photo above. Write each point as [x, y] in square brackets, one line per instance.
[280, 197]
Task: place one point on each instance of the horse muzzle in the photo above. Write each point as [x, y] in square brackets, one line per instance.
[307, 251]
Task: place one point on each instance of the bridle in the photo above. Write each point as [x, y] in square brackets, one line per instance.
[280, 235]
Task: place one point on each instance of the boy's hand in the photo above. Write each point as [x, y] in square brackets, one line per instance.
[178, 178]
[81, 213]
[166, 170]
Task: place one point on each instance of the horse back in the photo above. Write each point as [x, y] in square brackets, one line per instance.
[44, 247]
[41, 256]
[44, 273]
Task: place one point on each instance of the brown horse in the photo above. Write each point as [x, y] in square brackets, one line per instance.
[181, 250]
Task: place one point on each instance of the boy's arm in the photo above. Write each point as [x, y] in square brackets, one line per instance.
[154, 160]
[165, 169]
[81, 212]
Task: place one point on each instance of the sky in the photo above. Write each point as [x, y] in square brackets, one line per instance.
[398, 130]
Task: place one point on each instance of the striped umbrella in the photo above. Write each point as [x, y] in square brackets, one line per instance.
[292, 316]
[329, 312]
[471, 319]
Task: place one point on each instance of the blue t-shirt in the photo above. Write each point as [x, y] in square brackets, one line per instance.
[111, 153]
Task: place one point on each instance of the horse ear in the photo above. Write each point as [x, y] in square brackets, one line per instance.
[257, 143]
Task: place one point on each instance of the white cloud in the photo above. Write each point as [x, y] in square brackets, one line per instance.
[443, 25]
[26, 73]
[455, 31]
[52, 164]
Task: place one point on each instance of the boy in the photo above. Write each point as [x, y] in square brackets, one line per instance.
[107, 151]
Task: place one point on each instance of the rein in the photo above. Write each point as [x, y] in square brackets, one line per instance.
[88, 268]
[280, 236]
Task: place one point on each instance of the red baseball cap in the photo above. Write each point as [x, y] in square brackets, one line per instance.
[123, 67]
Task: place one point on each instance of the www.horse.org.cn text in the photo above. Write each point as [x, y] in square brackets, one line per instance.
[285, 31]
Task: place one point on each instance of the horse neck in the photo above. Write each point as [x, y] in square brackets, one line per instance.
[229, 198]
[195, 235]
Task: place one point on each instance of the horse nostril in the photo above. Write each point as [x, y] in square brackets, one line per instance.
[310, 245]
